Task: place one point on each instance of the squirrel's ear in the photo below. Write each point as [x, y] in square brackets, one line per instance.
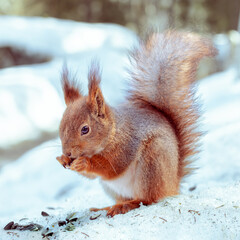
[95, 96]
[70, 88]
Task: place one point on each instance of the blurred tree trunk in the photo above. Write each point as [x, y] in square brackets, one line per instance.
[89, 11]
[199, 15]
[223, 14]
[234, 14]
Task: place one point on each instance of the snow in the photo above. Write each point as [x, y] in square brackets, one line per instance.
[221, 121]
[28, 104]
[36, 182]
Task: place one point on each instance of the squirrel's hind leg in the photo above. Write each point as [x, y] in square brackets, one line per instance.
[124, 207]
[121, 207]
[157, 172]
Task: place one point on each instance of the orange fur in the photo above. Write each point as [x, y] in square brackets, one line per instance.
[142, 149]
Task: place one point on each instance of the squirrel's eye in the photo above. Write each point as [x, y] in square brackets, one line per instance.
[84, 130]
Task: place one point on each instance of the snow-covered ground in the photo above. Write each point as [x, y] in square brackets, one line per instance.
[207, 208]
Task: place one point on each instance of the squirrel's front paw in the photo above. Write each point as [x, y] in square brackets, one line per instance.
[65, 161]
[80, 164]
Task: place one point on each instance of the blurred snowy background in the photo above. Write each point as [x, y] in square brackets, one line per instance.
[32, 52]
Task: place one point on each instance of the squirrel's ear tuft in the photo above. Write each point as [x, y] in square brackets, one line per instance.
[95, 96]
[70, 87]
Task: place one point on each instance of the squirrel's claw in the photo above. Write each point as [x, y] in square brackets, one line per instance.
[65, 161]
[120, 208]
[78, 165]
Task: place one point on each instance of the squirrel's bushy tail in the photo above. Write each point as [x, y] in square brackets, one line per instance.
[164, 68]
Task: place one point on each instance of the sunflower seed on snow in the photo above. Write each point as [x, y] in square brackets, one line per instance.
[44, 214]
[70, 227]
[71, 216]
[9, 226]
[61, 223]
[95, 216]
[30, 227]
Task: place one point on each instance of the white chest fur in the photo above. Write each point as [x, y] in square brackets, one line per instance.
[124, 185]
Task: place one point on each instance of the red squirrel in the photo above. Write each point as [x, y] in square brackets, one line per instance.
[141, 150]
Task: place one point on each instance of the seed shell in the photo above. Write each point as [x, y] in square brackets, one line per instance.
[44, 214]
[9, 226]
